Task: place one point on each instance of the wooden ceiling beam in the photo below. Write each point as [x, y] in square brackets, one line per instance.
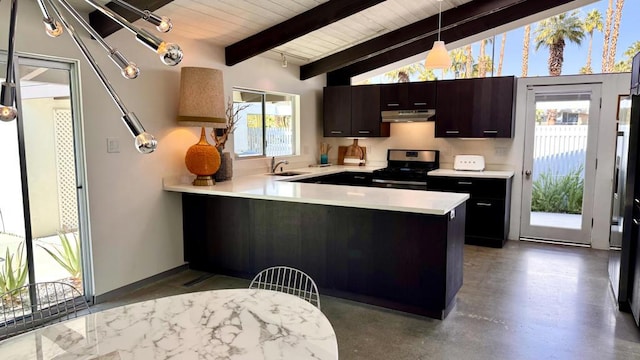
[299, 25]
[466, 20]
[105, 26]
[395, 38]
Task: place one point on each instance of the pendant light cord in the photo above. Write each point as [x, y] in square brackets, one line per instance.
[439, 19]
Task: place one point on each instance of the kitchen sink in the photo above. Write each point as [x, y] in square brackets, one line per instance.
[288, 173]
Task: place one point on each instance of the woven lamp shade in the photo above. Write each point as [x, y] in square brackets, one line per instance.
[202, 104]
[201, 97]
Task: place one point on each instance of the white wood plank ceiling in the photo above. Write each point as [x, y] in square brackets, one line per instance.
[224, 22]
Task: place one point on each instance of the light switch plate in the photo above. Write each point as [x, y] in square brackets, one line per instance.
[113, 145]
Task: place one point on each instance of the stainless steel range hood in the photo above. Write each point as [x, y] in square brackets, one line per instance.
[407, 115]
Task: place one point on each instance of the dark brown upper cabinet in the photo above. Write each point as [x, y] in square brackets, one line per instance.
[408, 96]
[353, 111]
[453, 109]
[337, 111]
[475, 108]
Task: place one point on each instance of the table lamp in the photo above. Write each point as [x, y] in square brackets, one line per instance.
[202, 104]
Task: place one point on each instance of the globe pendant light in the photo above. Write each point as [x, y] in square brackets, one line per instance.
[438, 56]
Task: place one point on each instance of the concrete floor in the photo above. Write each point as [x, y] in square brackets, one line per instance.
[525, 301]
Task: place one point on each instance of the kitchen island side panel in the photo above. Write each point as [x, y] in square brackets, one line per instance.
[406, 261]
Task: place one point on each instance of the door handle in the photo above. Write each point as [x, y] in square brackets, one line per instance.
[484, 204]
[420, 104]
[452, 132]
[336, 132]
[527, 173]
[465, 183]
[635, 221]
[364, 132]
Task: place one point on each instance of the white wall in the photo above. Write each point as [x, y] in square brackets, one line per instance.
[508, 153]
[42, 168]
[10, 183]
[136, 227]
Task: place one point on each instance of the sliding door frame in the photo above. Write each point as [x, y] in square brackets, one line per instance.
[73, 67]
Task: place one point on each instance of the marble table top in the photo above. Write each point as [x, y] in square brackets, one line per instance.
[221, 324]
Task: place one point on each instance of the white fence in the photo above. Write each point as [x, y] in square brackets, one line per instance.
[279, 141]
[559, 149]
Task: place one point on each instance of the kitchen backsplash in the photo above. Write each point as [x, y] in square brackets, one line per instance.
[497, 152]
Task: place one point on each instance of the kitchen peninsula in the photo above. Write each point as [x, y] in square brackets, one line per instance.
[396, 248]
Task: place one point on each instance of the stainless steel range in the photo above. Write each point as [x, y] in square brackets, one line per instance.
[407, 169]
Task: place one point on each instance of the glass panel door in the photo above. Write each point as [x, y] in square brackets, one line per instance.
[51, 174]
[559, 163]
[13, 251]
[42, 202]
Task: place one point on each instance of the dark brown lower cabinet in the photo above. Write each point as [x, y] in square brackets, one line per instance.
[405, 261]
[488, 209]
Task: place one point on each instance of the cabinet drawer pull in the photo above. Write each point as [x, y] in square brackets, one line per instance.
[356, 177]
[484, 204]
[465, 183]
[636, 201]
[393, 104]
[420, 104]
[635, 221]
[490, 131]
[452, 132]
[336, 132]
[364, 132]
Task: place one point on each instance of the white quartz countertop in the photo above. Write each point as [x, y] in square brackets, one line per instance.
[221, 324]
[489, 174]
[281, 188]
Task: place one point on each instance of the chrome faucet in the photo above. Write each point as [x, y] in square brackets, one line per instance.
[274, 164]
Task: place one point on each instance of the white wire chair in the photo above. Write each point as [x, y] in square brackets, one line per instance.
[287, 280]
[55, 301]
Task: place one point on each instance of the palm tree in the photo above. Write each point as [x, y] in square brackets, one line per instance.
[632, 50]
[553, 33]
[502, 44]
[621, 66]
[525, 50]
[485, 62]
[425, 74]
[482, 71]
[469, 63]
[458, 62]
[625, 64]
[592, 22]
[614, 35]
[402, 74]
[607, 36]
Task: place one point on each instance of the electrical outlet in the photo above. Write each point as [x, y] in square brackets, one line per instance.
[500, 151]
[113, 145]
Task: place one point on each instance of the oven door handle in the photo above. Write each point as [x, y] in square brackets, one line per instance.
[399, 182]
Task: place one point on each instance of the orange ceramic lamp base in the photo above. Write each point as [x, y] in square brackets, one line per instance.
[203, 160]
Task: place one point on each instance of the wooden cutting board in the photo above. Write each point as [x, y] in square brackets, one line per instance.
[342, 154]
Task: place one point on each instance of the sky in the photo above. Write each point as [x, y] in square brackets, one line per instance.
[574, 55]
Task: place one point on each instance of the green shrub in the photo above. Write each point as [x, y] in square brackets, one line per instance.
[14, 271]
[558, 194]
[69, 256]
